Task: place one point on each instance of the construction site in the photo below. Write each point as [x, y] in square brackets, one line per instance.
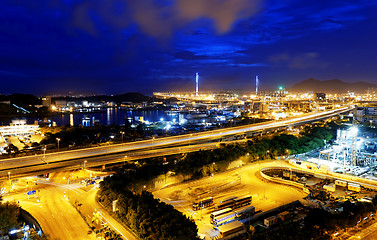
[354, 152]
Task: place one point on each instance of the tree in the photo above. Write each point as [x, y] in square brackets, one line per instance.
[9, 213]
[35, 236]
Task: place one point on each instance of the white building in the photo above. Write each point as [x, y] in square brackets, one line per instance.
[18, 127]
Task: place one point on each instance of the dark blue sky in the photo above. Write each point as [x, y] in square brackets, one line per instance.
[117, 46]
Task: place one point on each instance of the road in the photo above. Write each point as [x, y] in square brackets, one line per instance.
[54, 213]
[57, 217]
[89, 205]
[46, 160]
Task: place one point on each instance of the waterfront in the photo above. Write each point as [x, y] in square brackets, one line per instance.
[106, 117]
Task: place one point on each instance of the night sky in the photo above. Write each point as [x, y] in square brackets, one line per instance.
[117, 46]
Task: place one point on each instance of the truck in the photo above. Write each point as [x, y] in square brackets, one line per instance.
[340, 183]
[354, 187]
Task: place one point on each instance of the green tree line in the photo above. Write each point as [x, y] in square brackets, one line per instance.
[146, 216]
[197, 163]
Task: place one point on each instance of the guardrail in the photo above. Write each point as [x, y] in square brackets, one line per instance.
[282, 181]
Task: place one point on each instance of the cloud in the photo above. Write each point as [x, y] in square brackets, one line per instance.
[298, 61]
[160, 19]
[223, 13]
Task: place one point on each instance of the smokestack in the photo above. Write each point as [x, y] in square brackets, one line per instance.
[197, 84]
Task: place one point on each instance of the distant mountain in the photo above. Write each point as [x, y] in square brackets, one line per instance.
[126, 97]
[22, 100]
[131, 97]
[331, 86]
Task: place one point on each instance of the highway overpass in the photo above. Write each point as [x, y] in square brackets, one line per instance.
[76, 158]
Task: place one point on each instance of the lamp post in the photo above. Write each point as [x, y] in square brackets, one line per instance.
[122, 135]
[58, 139]
[44, 152]
[213, 167]
[10, 183]
[168, 174]
[84, 163]
[267, 152]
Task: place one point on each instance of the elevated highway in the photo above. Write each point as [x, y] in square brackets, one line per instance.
[76, 157]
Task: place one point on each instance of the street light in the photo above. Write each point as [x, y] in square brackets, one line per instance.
[122, 135]
[267, 152]
[44, 152]
[168, 173]
[10, 183]
[58, 139]
[84, 163]
[287, 152]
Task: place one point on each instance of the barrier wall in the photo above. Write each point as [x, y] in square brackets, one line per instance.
[282, 181]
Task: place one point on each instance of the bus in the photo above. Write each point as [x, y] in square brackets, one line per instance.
[227, 199]
[240, 202]
[245, 212]
[226, 203]
[219, 213]
[206, 202]
[223, 219]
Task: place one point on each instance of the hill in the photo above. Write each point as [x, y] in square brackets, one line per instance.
[331, 86]
[126, 97]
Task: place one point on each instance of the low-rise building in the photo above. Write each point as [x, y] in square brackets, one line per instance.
[18, 127]
[366, 114]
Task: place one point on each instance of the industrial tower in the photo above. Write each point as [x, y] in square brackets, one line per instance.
[197, 84]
